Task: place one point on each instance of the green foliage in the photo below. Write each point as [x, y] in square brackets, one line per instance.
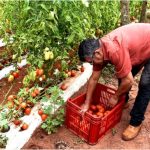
[54, 24]
[3, 141]
[135, 8]
[53, 122]
[52, 99]
[102, 15]
[51, 104]
[3, 118]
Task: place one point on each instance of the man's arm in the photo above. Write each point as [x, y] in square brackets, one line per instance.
[90, 89]
[126, 84]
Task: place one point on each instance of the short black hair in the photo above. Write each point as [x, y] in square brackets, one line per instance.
[87, 47]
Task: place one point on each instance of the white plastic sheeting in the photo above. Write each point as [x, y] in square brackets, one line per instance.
[7, 70]
[17, 139]
[1, 43]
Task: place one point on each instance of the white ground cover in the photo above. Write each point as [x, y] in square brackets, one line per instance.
[7, 69]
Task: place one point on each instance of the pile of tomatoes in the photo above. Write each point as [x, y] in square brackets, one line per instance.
[98, 110]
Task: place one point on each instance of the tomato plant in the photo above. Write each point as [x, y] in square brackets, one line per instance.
[3, 141]
[17, 122]
[56, 117]
[51, 124]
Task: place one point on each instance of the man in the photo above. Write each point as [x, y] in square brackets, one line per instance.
[128, 49]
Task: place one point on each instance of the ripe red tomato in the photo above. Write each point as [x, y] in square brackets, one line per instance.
[17, 122]
[99, 114]
[39, 72]
[73, 73]
[40, 112]
[63, 86]
[37, 91]
[33, 94]
[27, 111]
[102, 109]
[44, 117]
[16, 74]
[82, 69]
[24, 126]
[106, 112]
[93, 107]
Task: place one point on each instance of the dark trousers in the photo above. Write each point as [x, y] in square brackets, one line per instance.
[143, 96]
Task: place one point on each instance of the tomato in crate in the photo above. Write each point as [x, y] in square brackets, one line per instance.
[98, 119]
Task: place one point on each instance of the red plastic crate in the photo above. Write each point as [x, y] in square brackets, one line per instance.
[91, 128]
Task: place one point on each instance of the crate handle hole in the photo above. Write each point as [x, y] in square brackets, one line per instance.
[111, 91]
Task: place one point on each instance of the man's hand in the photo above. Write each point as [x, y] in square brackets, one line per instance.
[84, 108]
[113, 101]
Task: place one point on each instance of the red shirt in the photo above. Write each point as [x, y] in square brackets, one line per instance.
[126, 46]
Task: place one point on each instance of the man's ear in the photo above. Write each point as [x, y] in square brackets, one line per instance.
[97, 50]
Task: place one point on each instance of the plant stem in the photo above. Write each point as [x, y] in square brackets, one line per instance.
[7, 93]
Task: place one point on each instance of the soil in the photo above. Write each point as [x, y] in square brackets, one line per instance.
[40, 140]
[16, 85]
[1, 50]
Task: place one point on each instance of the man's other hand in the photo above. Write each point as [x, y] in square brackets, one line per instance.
[113, 101]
